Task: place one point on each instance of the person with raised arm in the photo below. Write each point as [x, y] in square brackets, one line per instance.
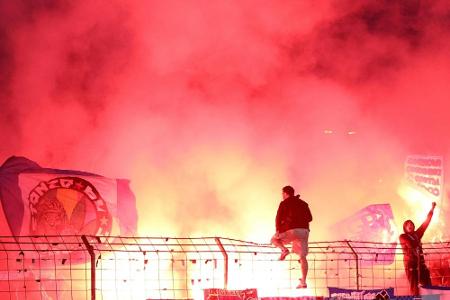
[413, 259]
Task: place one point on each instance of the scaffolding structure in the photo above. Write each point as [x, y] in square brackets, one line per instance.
[92, 267]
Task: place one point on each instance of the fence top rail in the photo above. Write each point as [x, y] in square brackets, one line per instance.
[191, 245]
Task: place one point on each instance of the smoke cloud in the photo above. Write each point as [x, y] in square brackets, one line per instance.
[210, 107]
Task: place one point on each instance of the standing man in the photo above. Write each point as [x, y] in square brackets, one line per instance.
[292, 226]
[415, 268]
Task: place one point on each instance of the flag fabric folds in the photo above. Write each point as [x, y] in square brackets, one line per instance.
[44, 201]
[373, 223]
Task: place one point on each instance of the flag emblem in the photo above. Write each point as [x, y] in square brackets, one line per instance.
[68, 206]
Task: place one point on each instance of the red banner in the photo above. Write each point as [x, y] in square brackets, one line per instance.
[223, 294]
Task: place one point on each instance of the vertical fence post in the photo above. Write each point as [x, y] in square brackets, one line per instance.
[90, 249]
[225, 257]
[357, 263]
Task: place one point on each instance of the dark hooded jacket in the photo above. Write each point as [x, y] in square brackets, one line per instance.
[412, 244]
[292, 213]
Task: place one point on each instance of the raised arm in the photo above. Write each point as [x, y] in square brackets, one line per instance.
[421, 230]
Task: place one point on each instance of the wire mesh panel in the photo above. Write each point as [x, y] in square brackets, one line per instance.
[43, 268]
[157, 268]
[332, 264]
[437, 256]
[74, 267]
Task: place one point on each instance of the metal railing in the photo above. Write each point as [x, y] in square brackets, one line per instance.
[89, 267]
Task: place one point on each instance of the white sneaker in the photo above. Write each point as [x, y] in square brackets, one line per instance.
[301, 285]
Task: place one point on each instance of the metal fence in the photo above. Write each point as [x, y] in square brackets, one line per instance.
[89, 267]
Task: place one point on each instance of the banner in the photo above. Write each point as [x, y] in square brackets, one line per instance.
[294, 298]
[381, 294]
[42, 201]
[223, 294]
[435, 292]
[425, 173]
[373, 223]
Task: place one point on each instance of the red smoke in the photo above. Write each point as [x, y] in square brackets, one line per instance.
[211, 107]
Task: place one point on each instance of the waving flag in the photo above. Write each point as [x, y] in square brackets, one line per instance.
[373, 223]
[43, 201]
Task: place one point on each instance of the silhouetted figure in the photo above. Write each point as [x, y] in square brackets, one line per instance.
[415, 268]
[292, 226]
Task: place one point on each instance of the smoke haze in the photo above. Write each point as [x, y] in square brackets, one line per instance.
[210, 107]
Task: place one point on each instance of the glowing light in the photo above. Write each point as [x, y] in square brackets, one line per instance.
[420, 203]
[328, 131]
[390, 236]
